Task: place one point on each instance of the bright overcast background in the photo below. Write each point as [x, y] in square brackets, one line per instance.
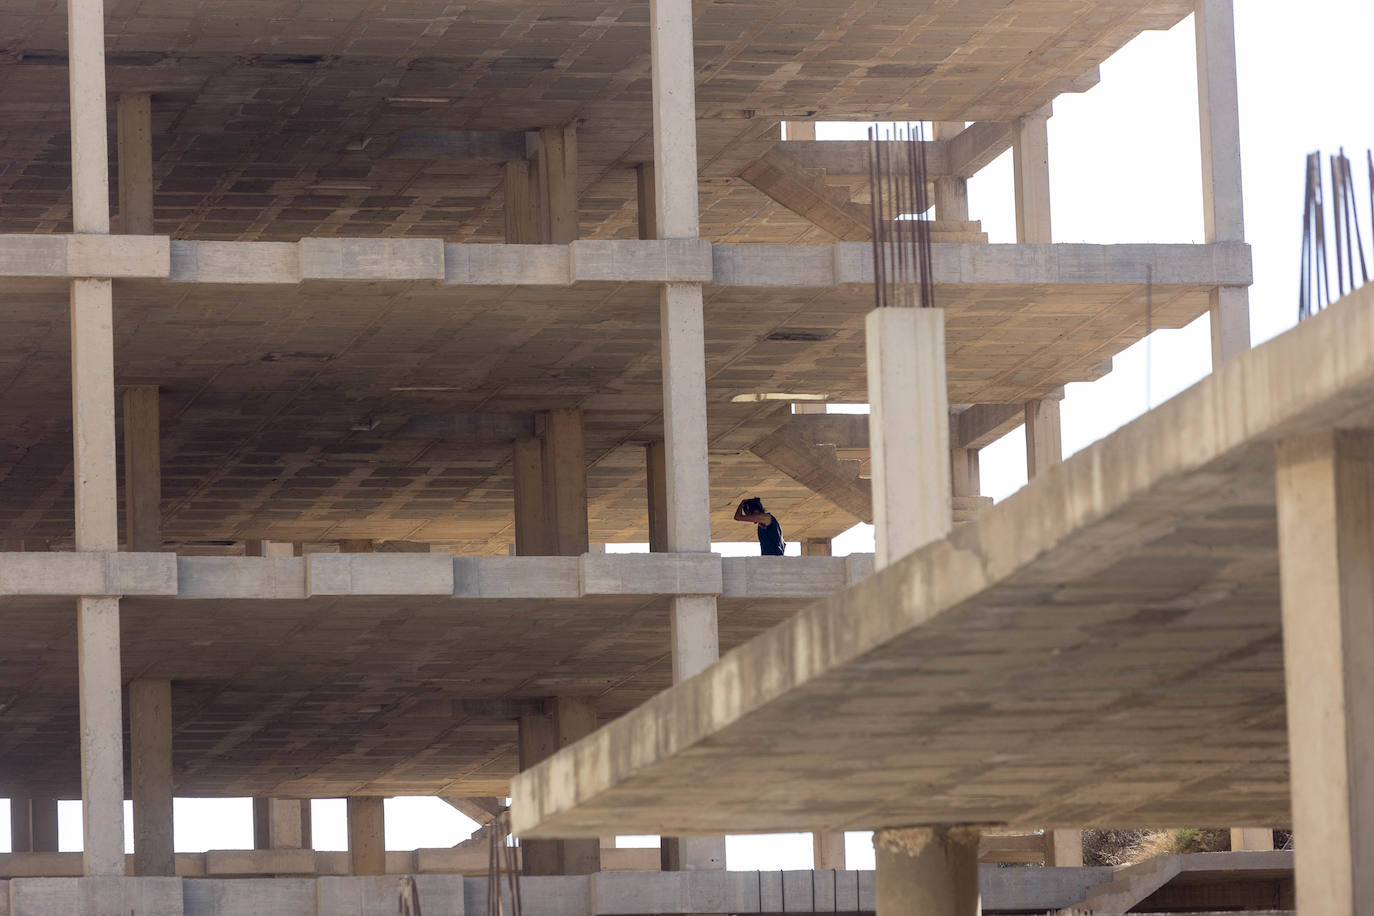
[1125, 167]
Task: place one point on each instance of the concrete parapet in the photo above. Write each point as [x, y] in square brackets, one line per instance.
[103, 896]
[516, 577]
[89, 572]
[439, 895]
[664, 261]
[250, 897]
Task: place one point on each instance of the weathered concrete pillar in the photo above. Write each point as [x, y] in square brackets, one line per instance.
[1223, 210]
[1044, 440]
[142, 469]
[644, 196]
[134, 133]
[656, 471]
[799, 130]
[815, 547]
[565, 482]
[150, 771]
[366, 835]
[281, 823]
[564, 721]
[951, 193]
[33, 824]
[1325, 489]
[558, 184]
[1256, 839]
[522, 212]
[922, 870]
[908, 429]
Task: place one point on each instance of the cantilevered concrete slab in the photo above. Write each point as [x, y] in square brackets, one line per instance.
[1102, 648]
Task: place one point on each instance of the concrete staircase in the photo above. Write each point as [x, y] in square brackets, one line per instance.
[1129, 885]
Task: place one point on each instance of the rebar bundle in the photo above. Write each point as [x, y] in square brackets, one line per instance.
[1314, 281]
[501, 857]
[901, 233]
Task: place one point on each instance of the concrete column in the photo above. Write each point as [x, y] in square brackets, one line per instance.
[258, 548]
[673, 73]
[142, 469]
[558, 184]
[827, 850]
[97, 512]
[150, 770]
[1031, 170]
[815, 547]
[799, 130]
[1251, 838]
[1223, 211]
[922, 870]
[1064, 848]
[908, 429]
[1325, 489]
[648, 208]
[656, 474]
[951, 193]
[565, 721]
[964, 474]
[522, 214]
[281, 823]
[134, 131]
[565, 483]
[366, 835]
[694, 634]
[102, 738]
[33, 824]
[1044, 442]
[531, 526]
[357, 545]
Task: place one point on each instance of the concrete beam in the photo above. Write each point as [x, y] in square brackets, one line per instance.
[977, 145]
[92, 572]
[150, 771]
[849, 158]
[804, 191]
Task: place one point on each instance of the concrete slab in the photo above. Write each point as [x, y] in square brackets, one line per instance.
[1102, 648]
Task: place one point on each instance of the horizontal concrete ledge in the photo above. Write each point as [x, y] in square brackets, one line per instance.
[88, 573]
[602, 261]
[420, 574]
[602, 894]
[845, 263]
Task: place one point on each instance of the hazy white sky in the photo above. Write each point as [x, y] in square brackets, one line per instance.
[1125, 168]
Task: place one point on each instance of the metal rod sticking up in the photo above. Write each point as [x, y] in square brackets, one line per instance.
[1314, 285]
[899, 179]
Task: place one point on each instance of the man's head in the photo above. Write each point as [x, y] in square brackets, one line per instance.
[754, 506]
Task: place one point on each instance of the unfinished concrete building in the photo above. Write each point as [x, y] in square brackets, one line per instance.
[382, 317]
